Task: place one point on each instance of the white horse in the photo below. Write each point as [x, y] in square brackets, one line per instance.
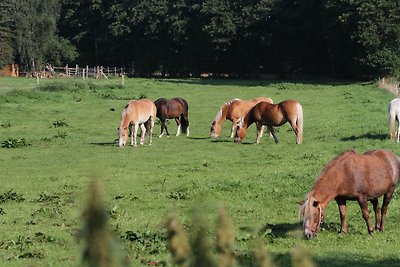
[394, 116]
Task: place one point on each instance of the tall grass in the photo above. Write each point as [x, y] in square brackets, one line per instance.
[257, 184]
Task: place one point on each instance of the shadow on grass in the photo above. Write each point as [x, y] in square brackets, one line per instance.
[373, 136]
[221, 140]
[281, 230]
[249, 82]
[105, 144]
[351, 260]
[199, 138]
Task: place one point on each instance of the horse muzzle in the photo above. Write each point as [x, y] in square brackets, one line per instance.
[238, 140]
[308, 234]
[121, 143]
[213, 135]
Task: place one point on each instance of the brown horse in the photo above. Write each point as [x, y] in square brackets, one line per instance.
[352, 176]
[233, 110]
[176, 108]
[272, 115]
[137, 112]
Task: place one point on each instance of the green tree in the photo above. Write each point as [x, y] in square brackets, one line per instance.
[6, 50]
[35, 37]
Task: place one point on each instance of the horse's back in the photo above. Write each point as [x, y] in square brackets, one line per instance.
[394, 106]
[239, 108]
[262, 99]
[372, 174]
[171, 108]
[142, 109]
[390, 160]
[182, 103]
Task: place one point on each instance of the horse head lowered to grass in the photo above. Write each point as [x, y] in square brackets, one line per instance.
[352, 176]
[271, 115]
[233, 110]
[176, 108]
[137, 113]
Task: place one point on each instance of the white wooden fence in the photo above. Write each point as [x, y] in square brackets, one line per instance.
[81, 72]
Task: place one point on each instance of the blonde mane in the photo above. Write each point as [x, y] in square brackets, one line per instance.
[218, 116]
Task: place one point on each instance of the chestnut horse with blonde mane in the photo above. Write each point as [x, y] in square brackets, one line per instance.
[271, 115]
[233, 110]
[352, 176]
[176, 108]
[393, 119]
[137, 113]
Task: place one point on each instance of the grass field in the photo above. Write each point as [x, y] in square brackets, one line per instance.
[58, 136]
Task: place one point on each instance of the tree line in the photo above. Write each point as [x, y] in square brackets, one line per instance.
[244, 38]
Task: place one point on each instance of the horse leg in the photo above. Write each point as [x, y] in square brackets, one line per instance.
[143, 127]
[364, 208]
[233, 129]
[375, 204]
[272, 132]
[178, 123]
[135, 130]
[162, 120]
[386, 200]
[342, 211]
[150, 132]
[259, 132]
[398, 131]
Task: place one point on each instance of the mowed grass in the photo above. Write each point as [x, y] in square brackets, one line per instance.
[70, 129]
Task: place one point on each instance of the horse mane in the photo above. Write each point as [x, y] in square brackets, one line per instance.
[125, 118]
[324, 181]
[305, 207]
[218, 116]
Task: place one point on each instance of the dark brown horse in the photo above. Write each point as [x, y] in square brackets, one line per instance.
[271, 115]
[352, 176]
[176, 108]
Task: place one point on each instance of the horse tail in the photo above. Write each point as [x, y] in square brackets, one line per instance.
[392, 122]
[184, 118]
[184, 123]
[299, 123]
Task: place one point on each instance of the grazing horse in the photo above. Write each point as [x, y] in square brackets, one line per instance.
[352, 176]
[394, 117]
[233, 110]
[272, 115]
[176, 108]
[137, 112]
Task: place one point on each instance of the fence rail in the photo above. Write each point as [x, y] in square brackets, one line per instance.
[83, 72]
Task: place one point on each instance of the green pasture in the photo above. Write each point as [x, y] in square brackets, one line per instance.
[56, 137]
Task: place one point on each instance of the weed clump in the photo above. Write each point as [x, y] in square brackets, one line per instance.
[178, 243]
[11, 195]
[14, 143]
[100, 249]
[197, 252]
